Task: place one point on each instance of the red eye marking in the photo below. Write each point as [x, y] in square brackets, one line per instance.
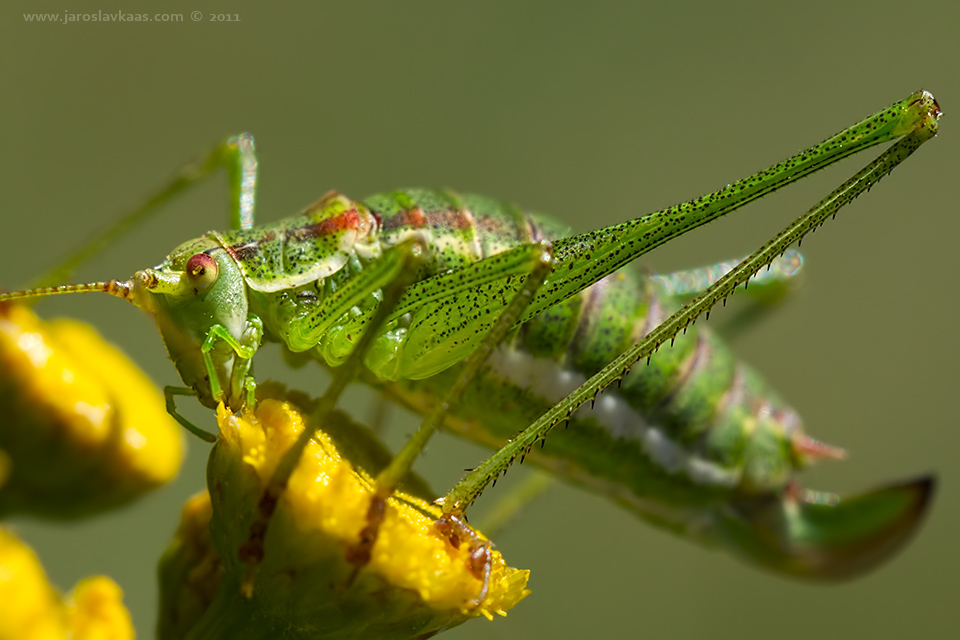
[200, 265]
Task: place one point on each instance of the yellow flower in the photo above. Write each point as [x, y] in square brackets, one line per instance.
[84, 430]
[190, 571]
[95, 611]
[416, 583]
[33, 610]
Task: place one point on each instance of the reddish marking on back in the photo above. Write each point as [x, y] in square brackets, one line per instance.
[329, 226]
[408, 219]
[244, 252]
[413, 218]
[456, 220]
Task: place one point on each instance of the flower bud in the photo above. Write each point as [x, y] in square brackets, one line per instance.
[190, 571]
[33, 610]
[83, 430]
[95, 611]
[416, 583]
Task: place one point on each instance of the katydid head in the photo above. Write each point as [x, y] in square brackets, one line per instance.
[198, 297]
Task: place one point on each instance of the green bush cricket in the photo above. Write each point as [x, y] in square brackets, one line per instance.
[716, 461]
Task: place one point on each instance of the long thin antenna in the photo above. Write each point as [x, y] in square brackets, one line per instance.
[118, 288]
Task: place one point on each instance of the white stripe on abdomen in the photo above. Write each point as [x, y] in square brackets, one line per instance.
[551, 382]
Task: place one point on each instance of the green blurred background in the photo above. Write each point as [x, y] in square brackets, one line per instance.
[594, 112]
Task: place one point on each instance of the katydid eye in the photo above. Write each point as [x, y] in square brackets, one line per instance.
[202, 270]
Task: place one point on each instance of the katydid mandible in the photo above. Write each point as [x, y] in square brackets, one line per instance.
[699, 446]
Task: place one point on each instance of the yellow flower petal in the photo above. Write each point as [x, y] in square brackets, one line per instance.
[417, 582]
[95, 611]
[84, 429]
[32, 609]
[190, 571]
